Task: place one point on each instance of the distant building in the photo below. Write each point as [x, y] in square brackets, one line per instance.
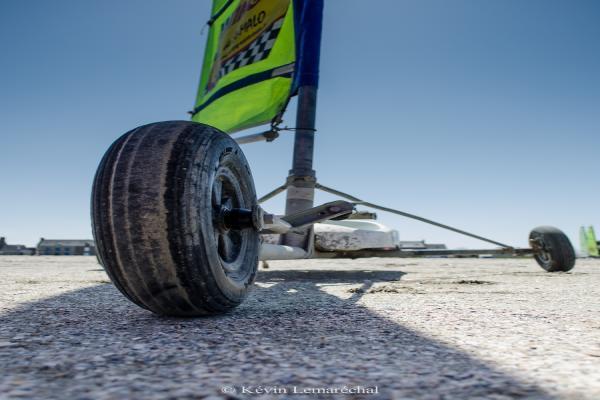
[420, 245]
[66, 247]
[14, 249]
[436, 246]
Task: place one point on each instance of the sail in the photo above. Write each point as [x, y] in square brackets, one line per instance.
[583, 242]
[257, 54]
[248, 63]
[592, 243]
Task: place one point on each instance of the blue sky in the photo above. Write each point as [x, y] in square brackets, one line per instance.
[482, 114]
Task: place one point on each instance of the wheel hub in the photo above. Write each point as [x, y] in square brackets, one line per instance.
[541, 250]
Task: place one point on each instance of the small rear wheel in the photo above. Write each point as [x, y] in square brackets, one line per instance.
[552, 249]
[158, 202]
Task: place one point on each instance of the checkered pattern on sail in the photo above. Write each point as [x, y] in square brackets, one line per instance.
[258, 50]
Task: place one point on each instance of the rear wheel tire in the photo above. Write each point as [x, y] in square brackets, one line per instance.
[156, 201]
[552, 249]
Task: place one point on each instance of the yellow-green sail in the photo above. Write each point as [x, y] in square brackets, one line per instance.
[583, 242]
[248, 63]
[592, 243]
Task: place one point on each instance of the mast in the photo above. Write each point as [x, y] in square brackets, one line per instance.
[302, 178]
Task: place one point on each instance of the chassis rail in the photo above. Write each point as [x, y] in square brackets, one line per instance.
[421, 253]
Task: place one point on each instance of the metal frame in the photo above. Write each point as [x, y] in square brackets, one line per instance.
[296, 223]
[512, 252]
[300, 185]
[297, 239]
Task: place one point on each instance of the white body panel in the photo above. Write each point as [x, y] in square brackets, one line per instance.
[354, 234]
[346, 235]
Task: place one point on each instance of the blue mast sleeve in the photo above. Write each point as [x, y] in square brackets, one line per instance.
[308, 16]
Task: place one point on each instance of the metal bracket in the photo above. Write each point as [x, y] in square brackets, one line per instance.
[320, 213]
[274, 224]
[267, 136]
[242, 218]
[301, 219]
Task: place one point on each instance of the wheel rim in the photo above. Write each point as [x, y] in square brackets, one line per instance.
[226, 194]
[542, 252]
[545, 257]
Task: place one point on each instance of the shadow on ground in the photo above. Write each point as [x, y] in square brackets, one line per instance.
[92, 343]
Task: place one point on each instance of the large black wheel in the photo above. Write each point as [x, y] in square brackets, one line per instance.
[157, 213]
[552, 249]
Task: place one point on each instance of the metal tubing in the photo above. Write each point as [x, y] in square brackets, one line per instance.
[279, 252]
[272, 193]
[324, 212]
[420, 253]
[407, 215]
[273, 224]
[301, 180]
[302, 164]
[268, 136]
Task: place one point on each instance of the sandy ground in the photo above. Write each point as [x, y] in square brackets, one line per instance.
[405, 328]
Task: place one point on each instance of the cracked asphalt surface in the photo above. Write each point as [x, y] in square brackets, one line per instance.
[405, 328]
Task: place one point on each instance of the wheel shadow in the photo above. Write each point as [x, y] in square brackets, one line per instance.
[290, 332]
